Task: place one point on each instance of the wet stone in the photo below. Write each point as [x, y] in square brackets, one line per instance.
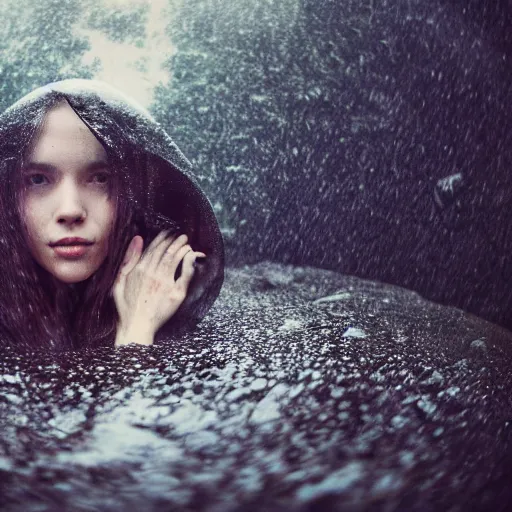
[242, 414]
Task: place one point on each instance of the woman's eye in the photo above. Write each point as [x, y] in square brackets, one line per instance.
[36, 179]
[101, 178]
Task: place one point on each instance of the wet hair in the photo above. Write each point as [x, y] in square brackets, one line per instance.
[36, 310]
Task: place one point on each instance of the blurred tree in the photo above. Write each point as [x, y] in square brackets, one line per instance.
[272, 101]
[226, 102]
[120, 25]
[38, 45]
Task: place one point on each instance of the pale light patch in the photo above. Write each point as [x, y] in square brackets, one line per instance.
[290, 324]
[354, 332]
[134, 70]
[342, 295]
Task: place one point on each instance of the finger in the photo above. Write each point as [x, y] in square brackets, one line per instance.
[117, 290]
[170, 249]
[166, 244]
[171, 261]
[187, 270]
[148, 255]
[128, 253]
[133, 255]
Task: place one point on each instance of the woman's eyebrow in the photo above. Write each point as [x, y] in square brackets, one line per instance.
[38, 166]
[99, 164]
[44, 167]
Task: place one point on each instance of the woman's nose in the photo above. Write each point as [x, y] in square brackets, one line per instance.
[70, 206]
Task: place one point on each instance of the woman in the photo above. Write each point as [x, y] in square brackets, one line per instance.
[105, 237]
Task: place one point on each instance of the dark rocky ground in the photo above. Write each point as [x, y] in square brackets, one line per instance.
[302, 390]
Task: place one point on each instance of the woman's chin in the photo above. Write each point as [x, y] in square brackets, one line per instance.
[71, 279]
[72, 275]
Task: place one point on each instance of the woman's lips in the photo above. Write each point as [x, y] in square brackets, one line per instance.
[71, 251]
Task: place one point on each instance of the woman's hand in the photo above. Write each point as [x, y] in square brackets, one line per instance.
[145, 292]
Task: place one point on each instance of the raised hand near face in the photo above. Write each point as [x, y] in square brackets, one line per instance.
[146, 292]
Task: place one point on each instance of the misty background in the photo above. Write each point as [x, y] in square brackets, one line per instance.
[370, 137]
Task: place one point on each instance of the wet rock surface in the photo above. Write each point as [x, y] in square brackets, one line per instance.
[303, 389]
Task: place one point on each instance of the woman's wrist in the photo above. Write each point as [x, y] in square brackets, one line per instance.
[136, 332]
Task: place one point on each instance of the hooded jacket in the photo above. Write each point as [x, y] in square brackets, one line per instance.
[164, 191]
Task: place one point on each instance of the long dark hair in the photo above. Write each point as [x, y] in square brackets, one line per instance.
[37, 310]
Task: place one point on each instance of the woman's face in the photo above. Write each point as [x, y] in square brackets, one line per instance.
[66, 205]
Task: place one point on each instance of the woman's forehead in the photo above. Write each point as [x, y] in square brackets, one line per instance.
[64, 137]
[61, 117]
